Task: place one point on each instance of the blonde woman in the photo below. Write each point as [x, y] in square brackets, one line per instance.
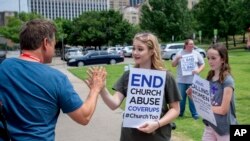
[146, 55]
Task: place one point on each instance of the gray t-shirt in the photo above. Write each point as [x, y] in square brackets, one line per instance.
[198, 59]
[171, 94]
[223, 121]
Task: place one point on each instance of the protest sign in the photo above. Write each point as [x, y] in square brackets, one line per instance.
[144, 96]
[202, 99]
[187, 64]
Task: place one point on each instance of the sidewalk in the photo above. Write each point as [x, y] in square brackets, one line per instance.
[105, 124]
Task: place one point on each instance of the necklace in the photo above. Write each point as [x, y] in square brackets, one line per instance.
[30, 57]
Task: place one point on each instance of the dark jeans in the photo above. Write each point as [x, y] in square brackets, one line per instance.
[183, 87]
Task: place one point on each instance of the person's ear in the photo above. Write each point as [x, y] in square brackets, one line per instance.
[45, 43]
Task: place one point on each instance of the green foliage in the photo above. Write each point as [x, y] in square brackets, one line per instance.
[229, 17]
[186, 126]
[28, 16]
[12, 29]
[245, 14]
[97, 28]
[62, 27]
[166, 18]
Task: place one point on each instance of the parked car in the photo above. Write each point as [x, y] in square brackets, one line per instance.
[87, 49]
[73, 53]
[96, 57]
[117, 50]
[168, 51]
[114, 49]
[127, 51]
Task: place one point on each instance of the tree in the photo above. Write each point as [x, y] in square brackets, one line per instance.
[100, 28]
[87, 30]
[246, 13]
[12, 29]
[64, 28]
[245, 16]
[166, 18]
[223, 15]
[236, 22]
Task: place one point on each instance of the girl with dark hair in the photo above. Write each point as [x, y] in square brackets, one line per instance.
[222, 95]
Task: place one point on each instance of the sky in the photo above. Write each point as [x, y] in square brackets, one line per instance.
[12, 5]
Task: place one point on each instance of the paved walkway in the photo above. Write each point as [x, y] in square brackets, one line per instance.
[105, 124]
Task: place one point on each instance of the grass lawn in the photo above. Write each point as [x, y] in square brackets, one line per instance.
[187, 127]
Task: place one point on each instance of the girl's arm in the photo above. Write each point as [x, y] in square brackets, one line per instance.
[172, 114]
[112, 101]
[224, 107]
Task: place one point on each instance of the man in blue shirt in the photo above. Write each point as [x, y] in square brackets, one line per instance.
[32, 93]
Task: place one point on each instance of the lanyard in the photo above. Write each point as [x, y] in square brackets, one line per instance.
[30, 57]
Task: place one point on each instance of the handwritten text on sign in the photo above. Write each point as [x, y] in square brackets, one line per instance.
[187, 64]
[201, 98]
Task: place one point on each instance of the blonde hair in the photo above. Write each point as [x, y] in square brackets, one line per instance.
[151, 41]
